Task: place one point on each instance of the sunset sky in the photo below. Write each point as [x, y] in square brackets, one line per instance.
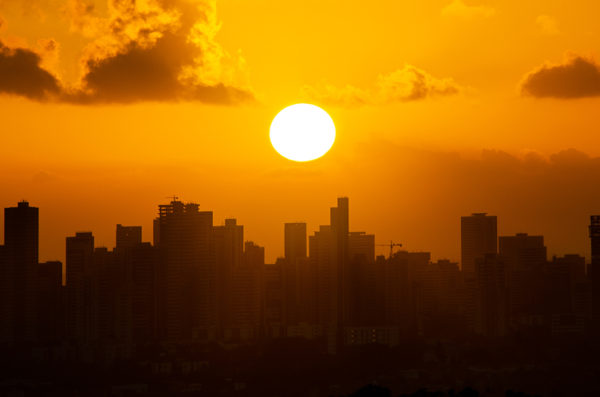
[442, 108]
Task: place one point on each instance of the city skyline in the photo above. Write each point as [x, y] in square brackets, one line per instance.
[300, 198]
[272, 254]
[200, 281]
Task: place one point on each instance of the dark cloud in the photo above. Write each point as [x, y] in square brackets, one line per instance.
[21, 74]
[151, 74]
[576, 78]
[162, 51]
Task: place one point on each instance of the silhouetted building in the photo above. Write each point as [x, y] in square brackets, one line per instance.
[272, 300]
[49, 303]
[143, 262]
[128, 236]
[439, 299]
[295, 241]
[82, 289]
[594, 272]
[245, 299]
[294, 269]
[491, 296]
[18, 289]
[361, 280]
[229, 246]
[479, 236]
[567, 295]
[187, 279]
[401, 289]
[524, 259]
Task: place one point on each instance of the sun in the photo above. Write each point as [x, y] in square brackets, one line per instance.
[302, 132]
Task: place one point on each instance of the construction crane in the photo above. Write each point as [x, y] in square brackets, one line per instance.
[391, 245]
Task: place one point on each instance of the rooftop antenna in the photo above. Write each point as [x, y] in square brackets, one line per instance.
[173, 198]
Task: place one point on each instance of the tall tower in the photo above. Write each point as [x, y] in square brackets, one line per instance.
[229, 247]
[295, 241]
[329, 256]
[479, 236]
[595, 270]
[524, 259]
[128, 236]
[186, 290]
[81, 287]
[18, 288]
[340, 252]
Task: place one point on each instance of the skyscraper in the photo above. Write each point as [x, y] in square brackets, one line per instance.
[128, 236]
[186, 289]
[49, 303]
[81, 288]
[594, 271]
[295, 241]
[479, 236]
[524, 258]
[294, 269]
[329, 254]
[20, 264]
[229, 247]
[491, 297]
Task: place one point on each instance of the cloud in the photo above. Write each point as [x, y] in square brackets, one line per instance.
[458, 9]
[149, 50]
[21, 74]
[547, 25]
[577, 77]
[403, 85]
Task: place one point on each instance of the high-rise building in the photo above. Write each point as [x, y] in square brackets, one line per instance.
[524, 258]
[294, 267]
[186, 290]
[81, 288]
[399, 287]
[491, 298]
[272, 300]
[229, 247]
[245, 299]
[295, 241]
[361, 279]
[18, 289]
[479, 236]
[128, 236]
[329, 253]
[49, 303]
[143, 262]
[594, 271]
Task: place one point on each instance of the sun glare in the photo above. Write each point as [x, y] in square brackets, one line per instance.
[302, 132]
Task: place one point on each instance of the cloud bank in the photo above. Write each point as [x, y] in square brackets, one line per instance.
[403, 85]
[577, 77]
[145, 50]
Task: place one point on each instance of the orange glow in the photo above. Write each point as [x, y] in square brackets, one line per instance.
[444, 107]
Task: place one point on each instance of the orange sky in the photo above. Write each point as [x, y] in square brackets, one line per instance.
[442, 108]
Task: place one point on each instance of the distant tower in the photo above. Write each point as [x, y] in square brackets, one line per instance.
[524, 259]
[128, 236]
[329, 252]
[186, 290]
[479, 236]
[594, 271]
[229, 247]
[81, 287]
[19, 273]
[295, 241]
